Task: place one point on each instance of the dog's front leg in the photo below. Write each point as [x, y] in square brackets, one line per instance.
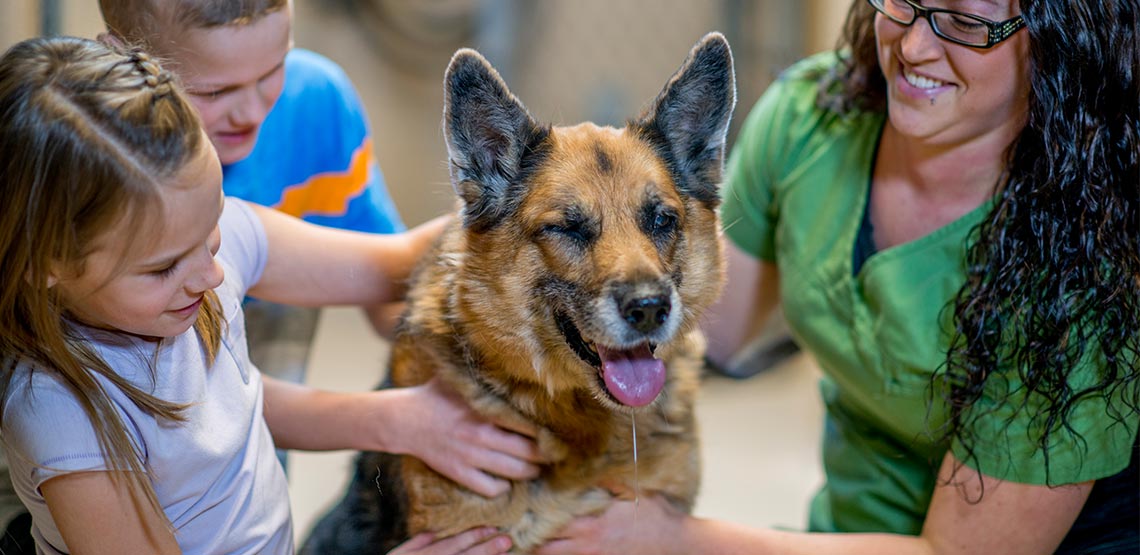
[549, 511]
[442, 506]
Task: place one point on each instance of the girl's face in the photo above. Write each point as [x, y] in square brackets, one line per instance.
[946, 93]
[155, 290]
[234, 75]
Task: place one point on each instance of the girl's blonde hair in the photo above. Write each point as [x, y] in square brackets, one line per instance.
[89, 135]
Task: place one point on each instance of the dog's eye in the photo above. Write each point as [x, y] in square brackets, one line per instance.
[571, 230]
[664, 222]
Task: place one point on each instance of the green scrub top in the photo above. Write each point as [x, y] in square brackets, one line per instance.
[796, 190]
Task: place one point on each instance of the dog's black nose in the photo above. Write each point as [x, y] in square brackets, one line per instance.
[646, 314]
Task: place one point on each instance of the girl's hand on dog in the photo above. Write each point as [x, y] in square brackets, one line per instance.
[476, 541]
[445, 433]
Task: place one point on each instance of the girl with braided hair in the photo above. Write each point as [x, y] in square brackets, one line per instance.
[948, 210]
[131, 415]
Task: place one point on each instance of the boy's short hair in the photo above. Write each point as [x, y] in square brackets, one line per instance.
[141, 22]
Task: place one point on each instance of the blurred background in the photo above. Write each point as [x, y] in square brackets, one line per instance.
[568, 60]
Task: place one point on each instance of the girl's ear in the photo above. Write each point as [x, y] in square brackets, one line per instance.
[111, 39]
[54, 271]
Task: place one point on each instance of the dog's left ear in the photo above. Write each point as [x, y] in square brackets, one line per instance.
[688, 121]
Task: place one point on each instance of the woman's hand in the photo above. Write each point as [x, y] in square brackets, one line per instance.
[438, 427]
[476, 541]
[647, 526]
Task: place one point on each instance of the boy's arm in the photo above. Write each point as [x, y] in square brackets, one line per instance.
[96, 514]
[310, 265]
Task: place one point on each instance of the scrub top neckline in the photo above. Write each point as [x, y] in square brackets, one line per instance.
[879, 256]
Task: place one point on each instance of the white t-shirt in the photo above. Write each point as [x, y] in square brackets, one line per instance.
[216, 474]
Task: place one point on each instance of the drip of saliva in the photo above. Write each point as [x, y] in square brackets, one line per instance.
[636, 485]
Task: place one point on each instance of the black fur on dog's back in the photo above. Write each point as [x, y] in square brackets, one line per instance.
[369, 518]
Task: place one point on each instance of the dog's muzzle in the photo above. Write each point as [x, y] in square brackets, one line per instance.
[632, 376]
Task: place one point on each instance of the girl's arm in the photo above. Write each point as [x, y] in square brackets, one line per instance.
[1010, 518]
[311, 265]
[428, 421]
[97, 515]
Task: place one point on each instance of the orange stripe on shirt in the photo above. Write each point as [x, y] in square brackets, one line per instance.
[328, 194]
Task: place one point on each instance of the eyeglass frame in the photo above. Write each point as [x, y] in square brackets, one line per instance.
[996, 31]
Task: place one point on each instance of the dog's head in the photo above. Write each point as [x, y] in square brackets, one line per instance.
[590, 250]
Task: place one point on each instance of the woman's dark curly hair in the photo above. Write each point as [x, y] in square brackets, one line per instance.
[1053, 271]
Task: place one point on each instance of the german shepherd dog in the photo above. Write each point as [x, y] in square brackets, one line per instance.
[566, 294]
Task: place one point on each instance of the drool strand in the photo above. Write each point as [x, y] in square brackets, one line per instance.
[636, 485]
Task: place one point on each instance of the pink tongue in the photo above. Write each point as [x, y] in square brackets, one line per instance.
[633, 377]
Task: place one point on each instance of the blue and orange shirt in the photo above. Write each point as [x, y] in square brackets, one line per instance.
[313, 158]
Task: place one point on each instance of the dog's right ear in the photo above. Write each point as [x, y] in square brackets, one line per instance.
[491, 140]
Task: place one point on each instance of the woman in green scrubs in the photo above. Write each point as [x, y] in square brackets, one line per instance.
[951, 206]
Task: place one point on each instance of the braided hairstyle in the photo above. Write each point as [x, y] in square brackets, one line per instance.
[1053, 271]
[89, 137]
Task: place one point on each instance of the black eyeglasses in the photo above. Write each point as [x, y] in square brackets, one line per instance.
[957, 27]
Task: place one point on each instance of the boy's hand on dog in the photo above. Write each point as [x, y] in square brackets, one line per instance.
[476, 541]
[446, 434]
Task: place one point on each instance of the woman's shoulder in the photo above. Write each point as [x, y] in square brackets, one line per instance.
[792, 100]
[813, 88]
[788, 125]
[800, 83]
[811, 69]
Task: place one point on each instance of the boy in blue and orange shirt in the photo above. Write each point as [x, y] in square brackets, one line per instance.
[289, 129]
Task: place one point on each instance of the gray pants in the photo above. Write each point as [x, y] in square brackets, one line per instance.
[280, 337]
[10, 505]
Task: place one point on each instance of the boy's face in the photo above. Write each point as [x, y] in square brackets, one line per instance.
[234, 75]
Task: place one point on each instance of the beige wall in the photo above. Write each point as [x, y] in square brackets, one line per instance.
[20, 19]
[81, 18]
[405, 98]
[825, 19]
[403, 95]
